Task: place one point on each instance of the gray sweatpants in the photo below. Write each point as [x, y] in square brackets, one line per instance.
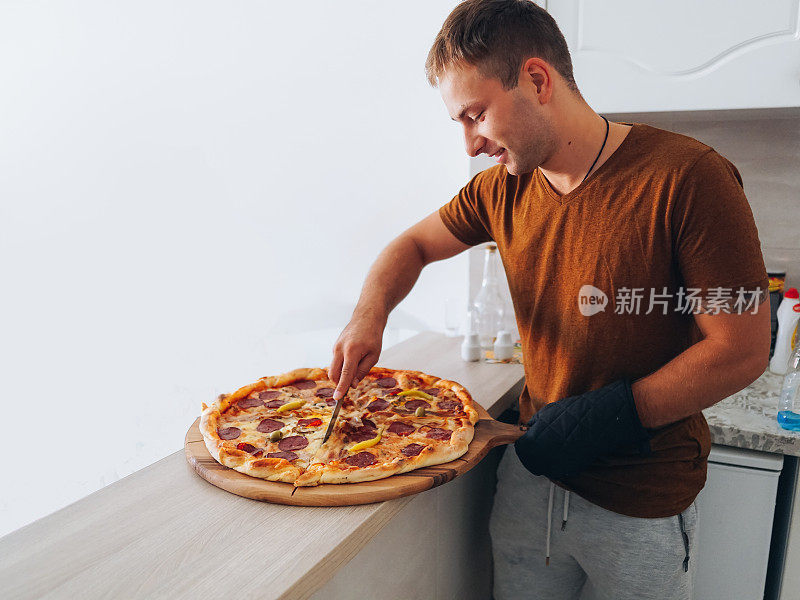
[599, 554]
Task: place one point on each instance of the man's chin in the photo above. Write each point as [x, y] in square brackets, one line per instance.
[514, 170]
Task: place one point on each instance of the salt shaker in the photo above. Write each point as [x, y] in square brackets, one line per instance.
[503, 347]
[471, 347]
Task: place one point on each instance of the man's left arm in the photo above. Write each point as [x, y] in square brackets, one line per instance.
[566, 436]
[733, 353]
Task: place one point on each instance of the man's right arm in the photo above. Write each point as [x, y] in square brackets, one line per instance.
[389, 280]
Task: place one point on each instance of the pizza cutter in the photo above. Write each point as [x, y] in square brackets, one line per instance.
[336, 412]
[333, 418]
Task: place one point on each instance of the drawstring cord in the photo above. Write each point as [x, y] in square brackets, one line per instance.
[685, 542]
[564, 526]
[550, 519]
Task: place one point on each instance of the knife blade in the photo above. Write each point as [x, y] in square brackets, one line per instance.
[333, 419]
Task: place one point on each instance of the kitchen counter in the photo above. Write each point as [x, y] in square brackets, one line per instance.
[748, 419]
[165, 532]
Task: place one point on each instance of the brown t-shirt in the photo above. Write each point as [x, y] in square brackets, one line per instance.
[664, 218]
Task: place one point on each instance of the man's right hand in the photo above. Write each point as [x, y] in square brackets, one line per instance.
[355, 353]
[388, 282]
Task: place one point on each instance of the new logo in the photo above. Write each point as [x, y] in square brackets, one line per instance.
[591, 300]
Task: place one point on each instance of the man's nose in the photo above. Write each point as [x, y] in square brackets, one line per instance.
[473, 143]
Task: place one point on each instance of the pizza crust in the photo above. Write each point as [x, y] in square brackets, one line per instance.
[466, 399]
[429, 456]
[271, 469]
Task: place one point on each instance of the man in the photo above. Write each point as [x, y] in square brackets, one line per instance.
[584, 212]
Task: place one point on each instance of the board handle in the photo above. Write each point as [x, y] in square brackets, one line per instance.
[501, 433]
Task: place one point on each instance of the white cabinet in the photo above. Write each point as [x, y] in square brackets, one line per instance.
[790, 583]
[652, 55]
[735, 509]
[436, 548]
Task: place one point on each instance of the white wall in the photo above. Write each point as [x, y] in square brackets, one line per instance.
[184, 188]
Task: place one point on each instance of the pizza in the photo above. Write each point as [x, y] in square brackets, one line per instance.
[392, 422]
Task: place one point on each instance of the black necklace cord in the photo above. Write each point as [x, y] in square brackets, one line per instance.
[605, 139]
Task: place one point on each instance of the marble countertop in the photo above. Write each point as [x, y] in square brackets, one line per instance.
[748, 419]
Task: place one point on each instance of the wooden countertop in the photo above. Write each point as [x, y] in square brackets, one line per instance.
[165, 532]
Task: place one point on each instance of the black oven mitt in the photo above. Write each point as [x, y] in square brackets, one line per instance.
[566, 436]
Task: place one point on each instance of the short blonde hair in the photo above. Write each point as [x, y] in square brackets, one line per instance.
[497, 37]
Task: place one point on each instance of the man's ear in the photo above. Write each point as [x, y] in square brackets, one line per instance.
[539, 73]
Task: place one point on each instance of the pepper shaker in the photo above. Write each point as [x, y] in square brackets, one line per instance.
[503, 347]
[471, 347]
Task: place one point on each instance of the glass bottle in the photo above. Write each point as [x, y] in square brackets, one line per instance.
[488, 307]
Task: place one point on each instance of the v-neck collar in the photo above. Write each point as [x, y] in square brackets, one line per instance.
[621, 150]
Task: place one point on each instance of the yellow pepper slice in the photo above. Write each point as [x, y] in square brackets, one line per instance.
[367, 443]
[416, 394]
[291, 405]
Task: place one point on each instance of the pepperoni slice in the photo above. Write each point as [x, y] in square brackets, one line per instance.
[416, 403]
[368, 423]
[290, 456]
[313, 422]
[249, 448]
[270, 425]
[229, 433]
[361, 459]
[269, 395]
[325, 392]
[448, 405]
[377, 405]
[361, 434]
[412, 449]
[330, 402]
[386, 382]
[249, 403]
[439, 434]
[304, 384]
[293, 442]
[432, 391]
[392, 392]
[400, 428]
[275, 403]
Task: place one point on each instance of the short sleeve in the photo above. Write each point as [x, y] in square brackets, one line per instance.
[467, 214]
[715, 238]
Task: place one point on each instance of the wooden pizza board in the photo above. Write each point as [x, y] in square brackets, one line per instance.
[488, 434]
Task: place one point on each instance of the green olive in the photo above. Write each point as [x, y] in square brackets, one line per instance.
[275, 435]
[420, 412]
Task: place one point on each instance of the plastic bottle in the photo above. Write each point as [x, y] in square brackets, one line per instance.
[788, 315]
[777, 281]
[788, 405]
[489, 308]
